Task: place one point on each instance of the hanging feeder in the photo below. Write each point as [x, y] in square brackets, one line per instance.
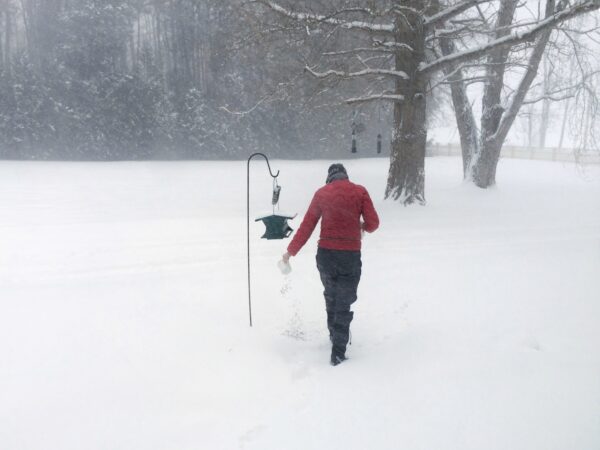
[276, 224]
[379, 143]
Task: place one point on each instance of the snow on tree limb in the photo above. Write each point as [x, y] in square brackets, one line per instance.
[360, 73]
[358, 50]
[396, 45]
[330, 20]
[452, 11]
[565, 92]
[513, 39]
[370, 98]
[551, 97]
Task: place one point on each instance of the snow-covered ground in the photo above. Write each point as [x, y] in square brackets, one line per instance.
[124, 314]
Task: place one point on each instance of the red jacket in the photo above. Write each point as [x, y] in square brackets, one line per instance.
[340, 204]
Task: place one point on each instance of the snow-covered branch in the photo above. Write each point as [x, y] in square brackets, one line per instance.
[511, 40]
[551, 97]
[440, 33]
[308, 17]
[358, 50]
[377, 97]
[564, 93]
[452, 11]
[392, 45]
[360, 73]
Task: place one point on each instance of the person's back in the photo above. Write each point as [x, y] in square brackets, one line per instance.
[342, 204]
[339, 204]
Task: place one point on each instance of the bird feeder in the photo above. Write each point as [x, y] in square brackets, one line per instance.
[276, 224]
[379, 143]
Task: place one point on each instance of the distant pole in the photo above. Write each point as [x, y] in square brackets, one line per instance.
[353, 149]
[248, 220]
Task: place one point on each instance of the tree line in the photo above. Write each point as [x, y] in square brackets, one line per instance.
[139, 79]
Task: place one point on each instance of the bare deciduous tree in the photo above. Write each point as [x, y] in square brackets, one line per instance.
[402, 45]
[498, 114]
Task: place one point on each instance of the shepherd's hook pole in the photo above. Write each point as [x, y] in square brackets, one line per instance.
[248, 219]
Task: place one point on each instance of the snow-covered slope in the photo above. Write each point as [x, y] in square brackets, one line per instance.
[124, 312]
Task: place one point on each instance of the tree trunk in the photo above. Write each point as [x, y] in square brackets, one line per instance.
[564, 124]
[483, 167]
[587, 110]
[530, 116]
[484, 172]
[406, 180]
[545, 106]
[406, 177]
[495, 122]
[465, 120]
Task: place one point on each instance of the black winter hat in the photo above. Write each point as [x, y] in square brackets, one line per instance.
[336, 172]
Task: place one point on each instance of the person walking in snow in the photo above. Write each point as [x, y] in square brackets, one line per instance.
[339, 204]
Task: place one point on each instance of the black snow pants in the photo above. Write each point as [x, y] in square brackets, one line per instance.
[340, 273]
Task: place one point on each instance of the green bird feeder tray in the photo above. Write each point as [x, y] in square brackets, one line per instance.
[276, 226]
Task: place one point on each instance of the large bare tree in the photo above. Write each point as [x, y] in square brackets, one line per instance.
[403, 45]
[501, 105]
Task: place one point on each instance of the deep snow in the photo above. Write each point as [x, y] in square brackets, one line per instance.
[124, 316]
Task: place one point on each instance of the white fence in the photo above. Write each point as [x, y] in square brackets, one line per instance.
[511, 151]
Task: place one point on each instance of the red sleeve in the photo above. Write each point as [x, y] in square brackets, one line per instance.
[311, 218]
[369, 214]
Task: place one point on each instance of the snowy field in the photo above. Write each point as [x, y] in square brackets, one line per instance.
[124, 312]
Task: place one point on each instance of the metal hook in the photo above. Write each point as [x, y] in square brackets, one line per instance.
[267, 160]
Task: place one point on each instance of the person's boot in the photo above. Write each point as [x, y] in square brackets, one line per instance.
[337, 358]
[341, 332]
